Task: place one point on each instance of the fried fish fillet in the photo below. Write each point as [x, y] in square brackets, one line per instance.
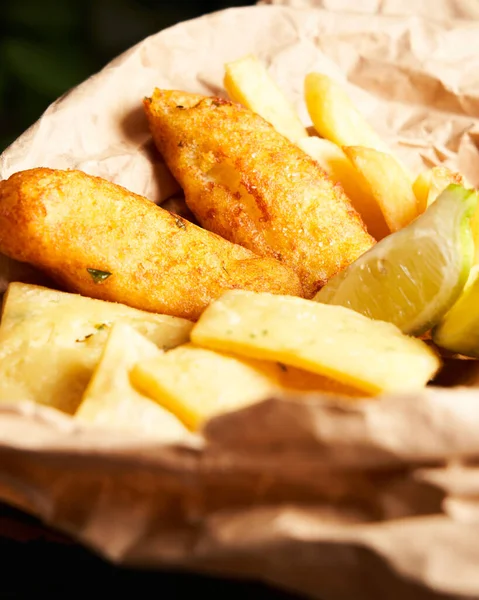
[246, 182]
[97, 238]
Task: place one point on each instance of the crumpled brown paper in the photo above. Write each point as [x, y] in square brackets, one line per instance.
[374, 500]
[436, 10]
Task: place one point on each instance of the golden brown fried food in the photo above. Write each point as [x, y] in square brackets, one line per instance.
[176, 204]
[99, 239]
[249, 184]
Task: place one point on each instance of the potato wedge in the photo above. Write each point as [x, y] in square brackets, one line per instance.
[329, 340]
[110, 399]
[50, 342]
[196, 383]
[334, 115]
[389, 185]
[248, 82]
[341, 170]
[249, 184]
[97, 238]
[421, 187]
[429, 184]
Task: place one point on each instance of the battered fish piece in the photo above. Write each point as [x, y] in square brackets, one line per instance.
[246, 182]
[97, 238]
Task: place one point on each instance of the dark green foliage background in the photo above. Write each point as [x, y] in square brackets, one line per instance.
[49, 46]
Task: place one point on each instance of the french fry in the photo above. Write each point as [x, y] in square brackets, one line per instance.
[110, 399]
[341, 170]
[196, 383]
[249, 83]
[429, 184]
[333, 341]
[388, 184]
[51, 342]
[421, 187]
[334, 115]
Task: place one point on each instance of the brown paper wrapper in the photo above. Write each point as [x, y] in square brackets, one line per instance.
[372, 500]
[431, 10]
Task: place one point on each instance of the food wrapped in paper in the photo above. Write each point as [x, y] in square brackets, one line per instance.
[376, 499]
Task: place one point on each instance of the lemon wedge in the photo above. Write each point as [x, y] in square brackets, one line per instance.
[412, 277]
[458, 331]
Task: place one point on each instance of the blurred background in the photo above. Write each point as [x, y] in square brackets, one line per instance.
[49, 46]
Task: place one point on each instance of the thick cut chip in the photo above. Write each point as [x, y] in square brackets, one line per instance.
[110, 399]
[248, 82]
[341, 170]
[431, 183]
[329, 340]
[196, 383]
[50, 342]
[421, 188]
[98, 239]
[249, 184]
[334, 115]
[388, 185]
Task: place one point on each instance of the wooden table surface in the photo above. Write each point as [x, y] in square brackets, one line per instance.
[35, 560]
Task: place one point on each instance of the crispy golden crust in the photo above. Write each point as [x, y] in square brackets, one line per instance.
[176, 204]
[65, 222]
[249, 184]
